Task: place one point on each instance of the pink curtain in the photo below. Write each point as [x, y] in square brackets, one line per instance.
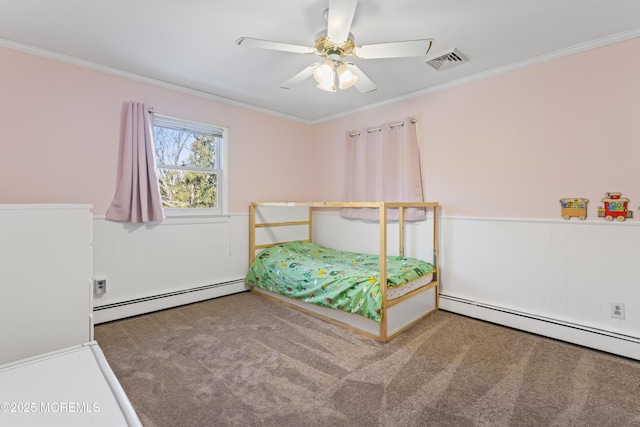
[383, 165]
[137, 197]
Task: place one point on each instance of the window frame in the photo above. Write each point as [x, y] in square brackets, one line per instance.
[222, 189]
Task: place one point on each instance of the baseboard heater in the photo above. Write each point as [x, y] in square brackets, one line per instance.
[133, 307]
[600, 339]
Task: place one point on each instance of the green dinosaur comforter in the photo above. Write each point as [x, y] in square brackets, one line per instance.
[347, 281]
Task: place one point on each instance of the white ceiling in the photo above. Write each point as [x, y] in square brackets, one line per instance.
[191, 43]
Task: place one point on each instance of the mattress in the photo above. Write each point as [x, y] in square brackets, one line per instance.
[399, 291]
[70, 387]
[347, 281]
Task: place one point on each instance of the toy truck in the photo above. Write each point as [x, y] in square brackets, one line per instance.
[615, 206]
[572, 207]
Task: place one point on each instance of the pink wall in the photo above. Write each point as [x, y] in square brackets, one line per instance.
[512, 145]
[506, 146]
[61, 125]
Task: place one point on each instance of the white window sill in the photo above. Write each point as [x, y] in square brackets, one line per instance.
[177, 216]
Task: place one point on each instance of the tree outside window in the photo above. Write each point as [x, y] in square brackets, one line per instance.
[188, 163]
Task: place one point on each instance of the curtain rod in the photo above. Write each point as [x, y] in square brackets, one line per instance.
[170, 116]
[378, 129]
[160, 113]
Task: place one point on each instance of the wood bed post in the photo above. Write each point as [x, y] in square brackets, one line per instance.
[401, 229]
[436, 254]
[310, 224]
[383, 270]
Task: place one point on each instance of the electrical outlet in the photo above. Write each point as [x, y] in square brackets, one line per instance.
[99, 286]
[617, 310]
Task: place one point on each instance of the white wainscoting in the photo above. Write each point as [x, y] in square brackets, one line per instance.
[554, 278]
[364, 236]
[166, 264]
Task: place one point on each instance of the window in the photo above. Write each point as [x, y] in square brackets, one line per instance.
[190, 163]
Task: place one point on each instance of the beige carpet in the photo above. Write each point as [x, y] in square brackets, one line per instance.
[243, 360]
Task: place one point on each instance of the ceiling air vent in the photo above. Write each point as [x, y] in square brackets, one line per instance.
[447, 60]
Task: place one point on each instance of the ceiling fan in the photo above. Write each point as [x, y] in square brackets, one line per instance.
[336, 44]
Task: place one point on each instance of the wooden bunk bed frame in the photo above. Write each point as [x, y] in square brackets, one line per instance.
[411, 307]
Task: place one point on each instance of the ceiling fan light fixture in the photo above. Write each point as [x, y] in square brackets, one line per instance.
[324, 72]
[325, 76]
[345, 77]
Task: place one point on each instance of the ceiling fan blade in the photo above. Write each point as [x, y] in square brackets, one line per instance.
[394, 49]
[267, 44]
[364, 83]
[339, 20]
[307, 72]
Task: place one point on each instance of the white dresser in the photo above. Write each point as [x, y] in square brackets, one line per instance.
[46, 296]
